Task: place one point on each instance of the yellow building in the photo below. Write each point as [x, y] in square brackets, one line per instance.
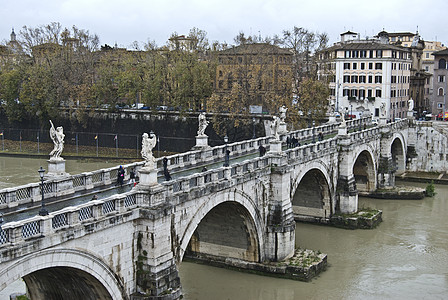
[260, 70]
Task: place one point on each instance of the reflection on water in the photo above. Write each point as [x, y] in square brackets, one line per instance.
[404, 258]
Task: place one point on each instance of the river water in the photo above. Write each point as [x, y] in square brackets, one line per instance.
[405, 257]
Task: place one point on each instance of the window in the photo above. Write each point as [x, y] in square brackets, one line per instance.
[354, 79]
[371, 54]
[440, 92]
[378, 79]
[354, 93]
[240, 59]
[393, 93]
[439, 105]
[378, 93]
[362, 94]
[346, 78]
[426, 68]
[332, 92]
[220, 84]
[378, 66]
[379, 53]
[355, 66]
[442, 64]
[370, 66]
[347, 54]
[220, 73]
[370, 79]
[369, 93]
[362, 79]
[441, 78]
[345, 92]
[427, 54]
[377, 112]
[363, 54]
[346, 66]
[393, 79]
[363, 66]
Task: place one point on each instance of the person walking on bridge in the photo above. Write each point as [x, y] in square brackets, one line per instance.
[120, 176]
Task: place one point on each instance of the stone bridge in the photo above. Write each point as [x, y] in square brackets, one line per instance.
[128, 246]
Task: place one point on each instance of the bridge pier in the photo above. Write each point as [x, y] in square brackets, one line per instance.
[281, 225]
[347, 193]
[386, 166]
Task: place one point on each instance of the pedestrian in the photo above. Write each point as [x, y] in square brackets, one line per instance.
[166, 173]
[94, 197]
[132, 177]
[288, 142]
[120, 176]
[204, 169]
[262, 150]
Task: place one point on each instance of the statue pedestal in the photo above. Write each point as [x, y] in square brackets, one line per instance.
[332, 119]
[201, 142]
[148, 177]
[282, 128]
[410, 115]
[56, 167]
[275, 146]
[342, 130]
[382, 121]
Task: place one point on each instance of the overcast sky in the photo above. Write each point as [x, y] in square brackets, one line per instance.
[122, 22]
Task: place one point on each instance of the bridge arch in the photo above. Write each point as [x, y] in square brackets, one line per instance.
[311, 192]
[364, 170]
[45, 272]
[398, 152]
[242, 217]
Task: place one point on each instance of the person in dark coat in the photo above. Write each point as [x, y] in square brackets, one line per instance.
[166, 173]
[120, 176]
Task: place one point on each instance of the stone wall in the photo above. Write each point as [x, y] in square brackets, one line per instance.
[427, 147]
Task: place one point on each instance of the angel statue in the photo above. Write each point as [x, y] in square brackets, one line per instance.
[203, 123]
[57, 135]
[275, 123]
[410, 105]
[383, 109]
[148, 143]
[283, 109]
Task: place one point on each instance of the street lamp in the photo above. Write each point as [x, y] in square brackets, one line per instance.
[226, 157]
[253, 122]
[43, 211]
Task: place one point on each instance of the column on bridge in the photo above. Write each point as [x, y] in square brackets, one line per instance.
[280, 220]
[347, 194]
[156, 270]
[386, 166]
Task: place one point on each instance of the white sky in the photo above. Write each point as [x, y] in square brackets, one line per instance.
[122, 22]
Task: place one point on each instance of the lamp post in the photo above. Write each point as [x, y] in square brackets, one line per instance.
[43, 211]
[253, 122]
[226, 157]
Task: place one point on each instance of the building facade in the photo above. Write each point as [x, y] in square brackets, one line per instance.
[368, 73]
[440, 83]
[260, 70]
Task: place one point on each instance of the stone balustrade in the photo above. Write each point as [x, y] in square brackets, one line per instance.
[13, 233]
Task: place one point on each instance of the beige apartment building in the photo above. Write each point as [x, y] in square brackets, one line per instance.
[368, 73]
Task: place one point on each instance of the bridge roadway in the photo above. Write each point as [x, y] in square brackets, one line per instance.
[127, 246]
[25, 209]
